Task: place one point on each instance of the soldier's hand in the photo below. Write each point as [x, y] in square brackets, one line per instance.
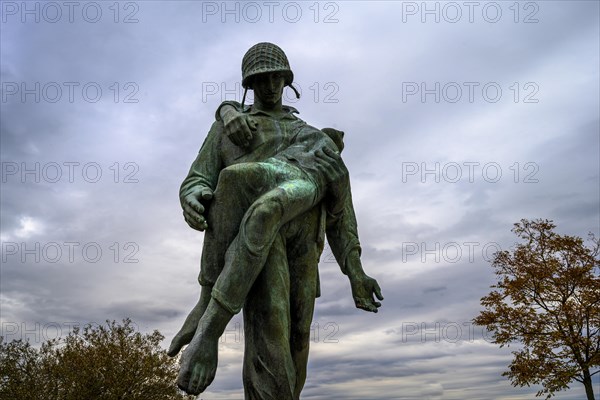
[239, 128]
[363, 289]
[193, 209]
[331, 164]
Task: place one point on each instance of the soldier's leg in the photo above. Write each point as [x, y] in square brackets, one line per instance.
[268, 371]
[278, 312]
[304, 249]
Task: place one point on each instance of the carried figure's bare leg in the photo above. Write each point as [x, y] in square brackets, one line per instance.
[187, 331]
[199, 360]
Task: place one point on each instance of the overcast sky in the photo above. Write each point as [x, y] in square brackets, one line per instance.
[460, 118]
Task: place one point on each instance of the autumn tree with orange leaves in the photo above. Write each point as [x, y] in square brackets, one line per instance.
[547, 299]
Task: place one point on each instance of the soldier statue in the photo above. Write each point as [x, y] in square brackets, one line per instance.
[266, 188]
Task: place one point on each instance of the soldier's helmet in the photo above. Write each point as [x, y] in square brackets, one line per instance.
[265, 57]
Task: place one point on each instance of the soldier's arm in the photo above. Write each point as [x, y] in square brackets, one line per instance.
[342, 236]
[197, 188]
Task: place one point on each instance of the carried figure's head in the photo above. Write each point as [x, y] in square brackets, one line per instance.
[265, 60]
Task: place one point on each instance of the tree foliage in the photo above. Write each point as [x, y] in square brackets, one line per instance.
[548, 299]
[107, 362]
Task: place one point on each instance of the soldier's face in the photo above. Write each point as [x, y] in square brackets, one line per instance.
[268, 87]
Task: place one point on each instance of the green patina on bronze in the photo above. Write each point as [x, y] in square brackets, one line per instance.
[266, 188]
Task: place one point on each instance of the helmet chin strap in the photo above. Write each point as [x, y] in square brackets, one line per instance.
[244, 98]
[246, 91]
[295, 90]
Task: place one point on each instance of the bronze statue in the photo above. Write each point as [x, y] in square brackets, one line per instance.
[265, 187]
